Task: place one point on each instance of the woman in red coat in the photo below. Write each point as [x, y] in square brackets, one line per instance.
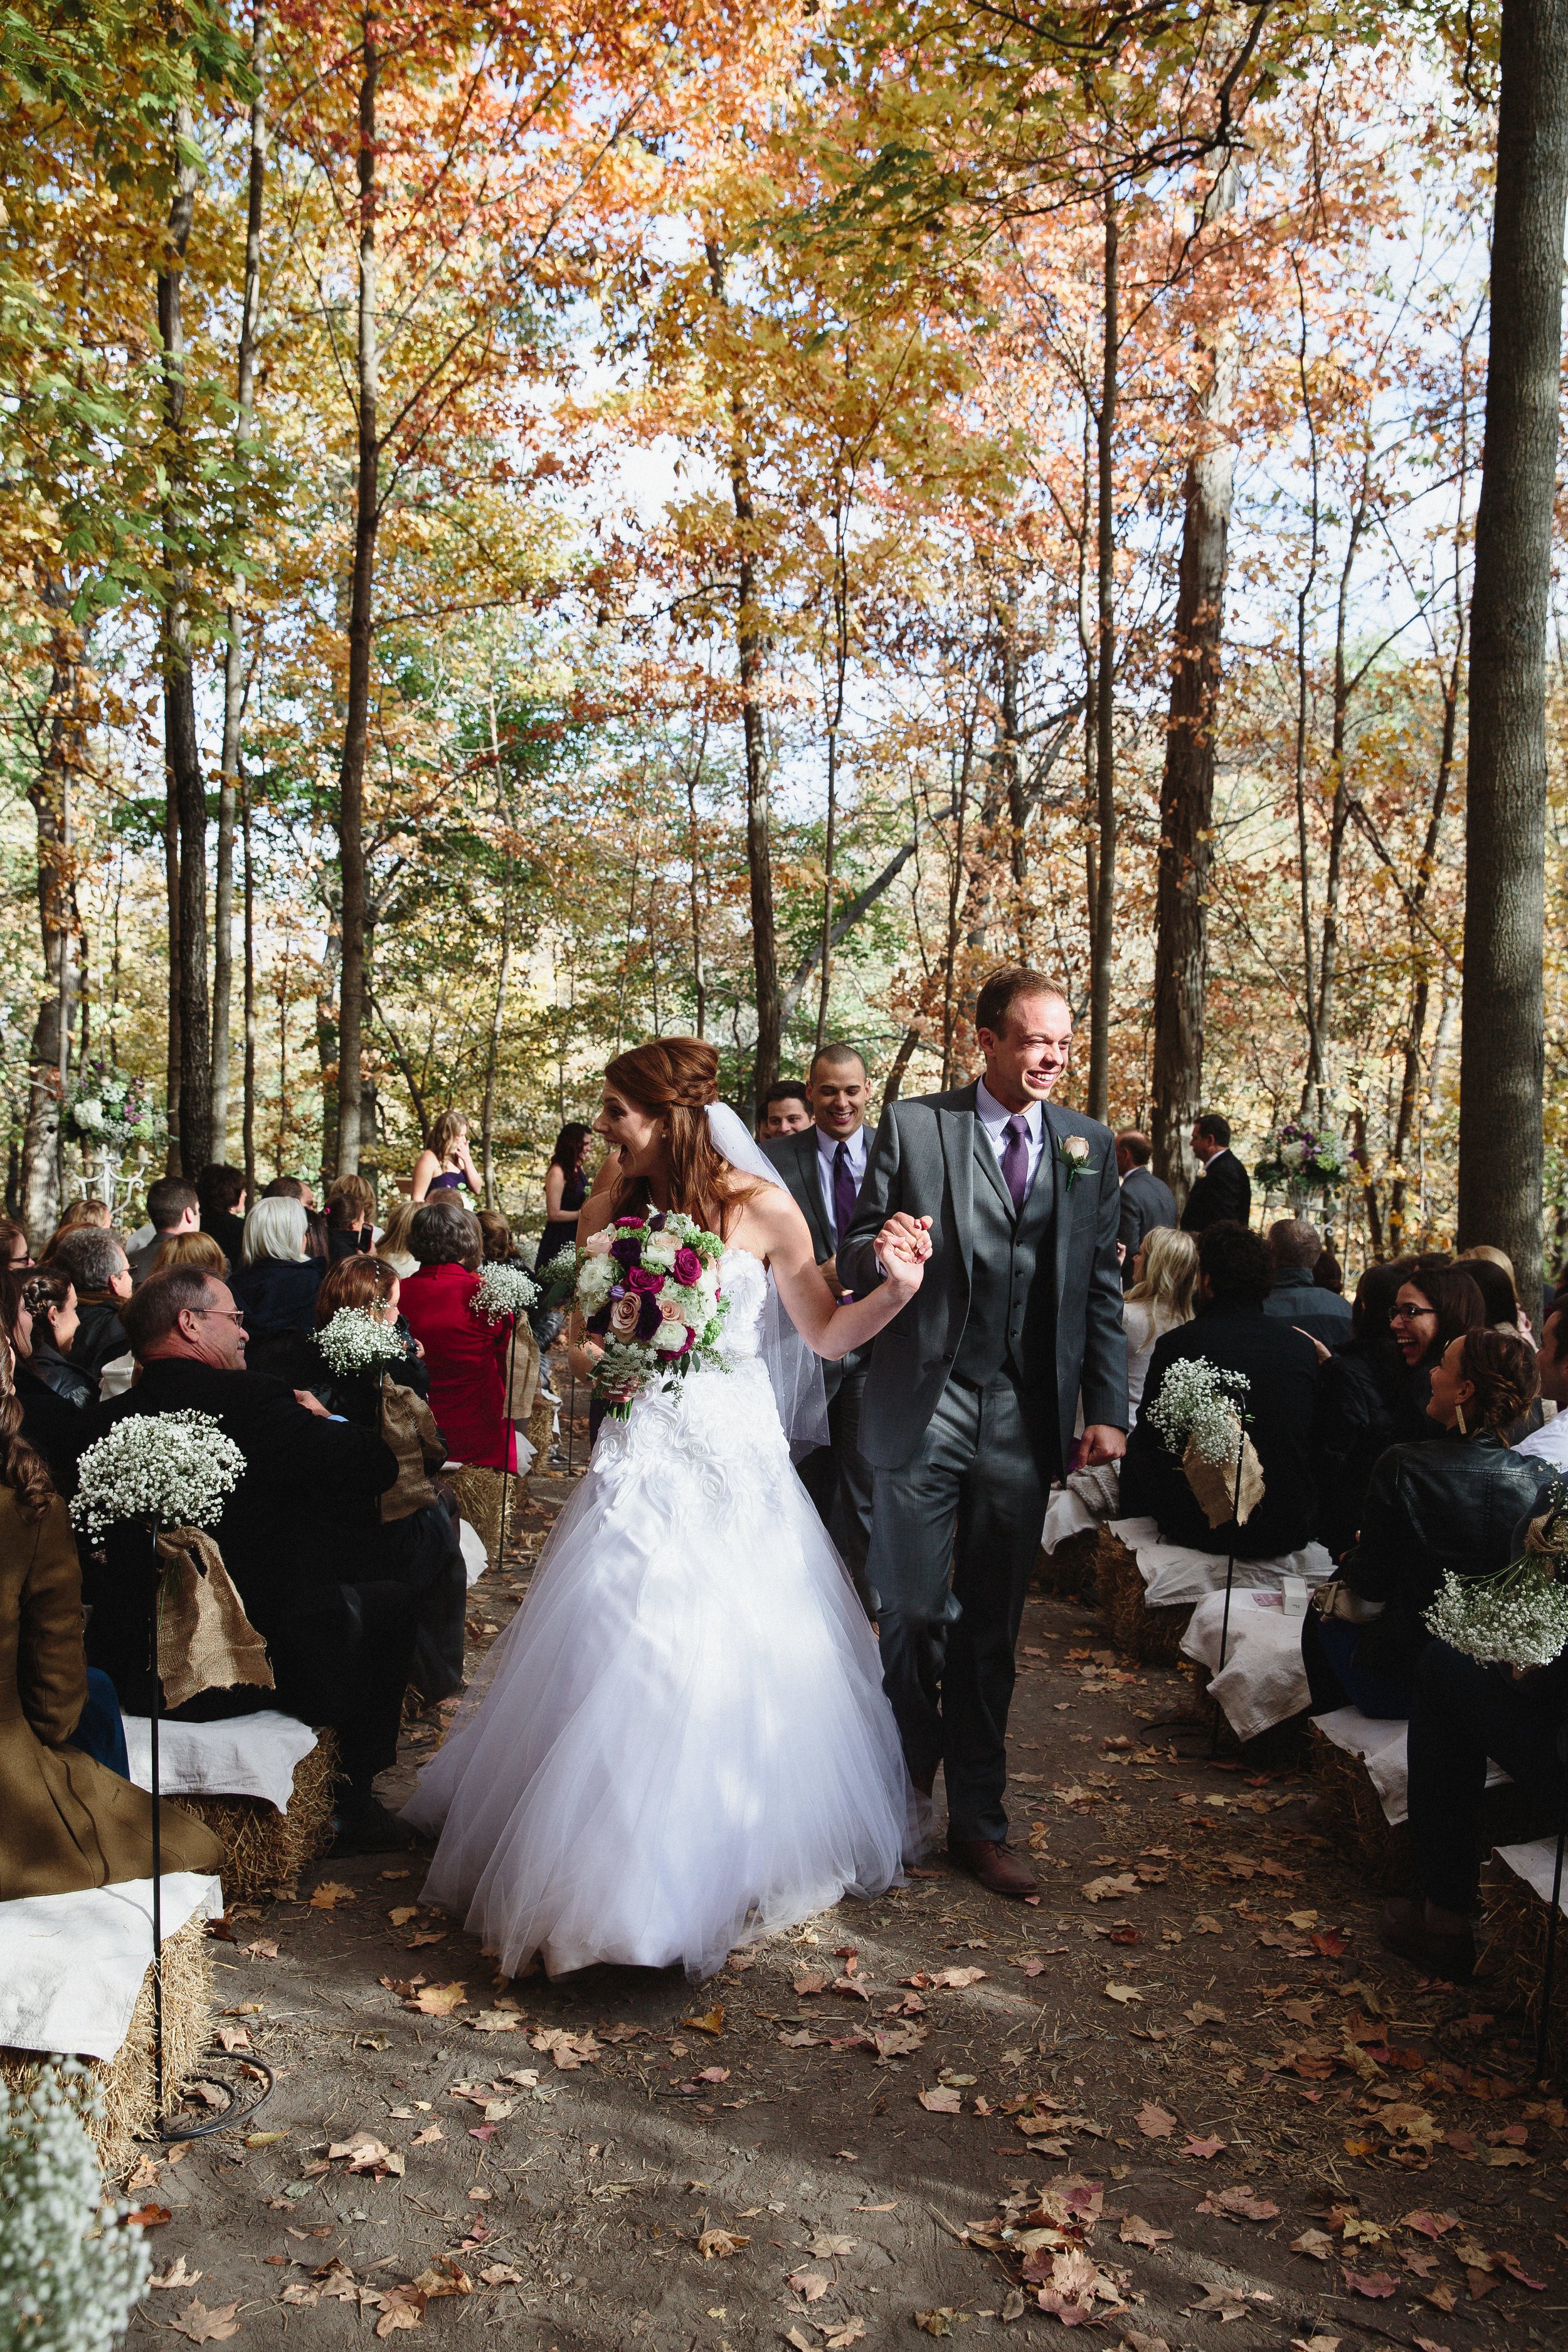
[465, 1355]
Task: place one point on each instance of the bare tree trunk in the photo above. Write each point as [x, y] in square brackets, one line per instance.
[356, 720]
[901, 1060]
[233, 664]
[698, 980]
[248, 1129]
[1415, 1036]
[1104, 945]
[1313, 1080]
[841, 668]
[487, 1119]
[173, 1162]
[181, 749]
[1501, 1055]
[48, 1059]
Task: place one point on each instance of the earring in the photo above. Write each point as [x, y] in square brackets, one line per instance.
[1460, 1418]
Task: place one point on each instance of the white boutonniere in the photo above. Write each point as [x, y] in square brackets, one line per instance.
[1072, 1159]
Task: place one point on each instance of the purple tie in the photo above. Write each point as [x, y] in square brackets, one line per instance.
[845, 1189]
[1016, 1159]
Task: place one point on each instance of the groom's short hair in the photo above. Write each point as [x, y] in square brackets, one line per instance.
[1002, 990]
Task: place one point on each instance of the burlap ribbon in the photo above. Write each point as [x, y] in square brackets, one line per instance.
[1214, 1485]
[523, 1370]
[206, 1641]
[408, 1426]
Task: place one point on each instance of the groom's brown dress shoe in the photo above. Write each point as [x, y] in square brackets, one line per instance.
[995, 1866]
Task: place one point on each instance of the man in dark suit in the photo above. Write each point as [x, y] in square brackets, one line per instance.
[172, 1207]
[1232, 1330]
[969, 1405]
[340, 1650]
[823, 1168]
[1145, 1201]
[1223, 1193]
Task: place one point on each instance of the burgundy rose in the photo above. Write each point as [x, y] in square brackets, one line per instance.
[640, 1279]
[648, 1318]
[600, 1323]
[628, 1221]
[657, 1221]
[687, 1267]
[627, 1252]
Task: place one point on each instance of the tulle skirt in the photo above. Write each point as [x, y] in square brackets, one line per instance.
[681, 1741]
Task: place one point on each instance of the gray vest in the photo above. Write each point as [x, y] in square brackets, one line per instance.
[1007, 1249]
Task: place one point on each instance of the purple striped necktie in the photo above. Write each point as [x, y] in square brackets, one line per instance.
[845, 1189]
[1016, 1159]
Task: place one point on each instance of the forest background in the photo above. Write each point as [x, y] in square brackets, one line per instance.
[527, 525]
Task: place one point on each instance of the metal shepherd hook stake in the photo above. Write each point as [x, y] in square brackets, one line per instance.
[1229, 1575]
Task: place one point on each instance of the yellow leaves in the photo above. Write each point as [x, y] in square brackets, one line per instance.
[719, 2245]
[330, 1893]
[201, 2325]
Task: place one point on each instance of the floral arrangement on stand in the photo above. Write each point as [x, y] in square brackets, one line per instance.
[504, 1290]
[177, 1469]
[1198, 1413]
[71, 2271]
[357, 1340]
[649, 1287]
[108, 1112]
[1517, 1617]
[1301, 1160]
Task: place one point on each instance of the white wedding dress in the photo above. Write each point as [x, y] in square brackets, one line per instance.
[681, 1742]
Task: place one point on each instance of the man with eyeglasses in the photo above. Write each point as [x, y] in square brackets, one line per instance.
[339, 1649]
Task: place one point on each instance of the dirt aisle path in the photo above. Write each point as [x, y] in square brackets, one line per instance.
[1249, 2127]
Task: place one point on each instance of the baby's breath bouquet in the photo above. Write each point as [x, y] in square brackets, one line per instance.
[1517, 1617]
[503, 1290]
[1198, 1413]
[71, 2273]
[357, 1340]
[176, 1468]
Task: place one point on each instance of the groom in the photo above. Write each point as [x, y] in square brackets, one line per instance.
[969, 1405]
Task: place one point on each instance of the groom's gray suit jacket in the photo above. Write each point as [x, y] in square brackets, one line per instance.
[1064, 1321]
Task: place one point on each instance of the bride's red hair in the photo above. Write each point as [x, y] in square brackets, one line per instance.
[679, 1076]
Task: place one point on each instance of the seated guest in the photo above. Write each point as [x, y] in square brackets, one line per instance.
[15, 1252]
[1232, 1331]
[68, 1822]
[394, 1244]
[221, 1194]
[785, 1110]
[465, 1355]
[1164, 1282]
[191, 1249]
[51, 1407]
[278, 1281]
[1329, 1274]
[1549, 1444]
[100, 1274]
[80, 1213]
[50, 1297]
[495, 1239]
[1294, 1249]
[172, 1207]
[1495, 1284]
[1429, 1509]
[1147, 1203]
[1462, 1717]
[351, 1214]
[1362, 1393]
[340, 1646]
[1436, 1302]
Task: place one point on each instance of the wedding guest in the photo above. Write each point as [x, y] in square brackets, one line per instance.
[222, 1192]
[1429, 1509]
[1362, 1389]
[394, 1244]
[15, 1252]
[1329, 1274]
[351, 1218]
[565, 1189]
[1147, 1203]
[1233, 1331]
[79, 1213]
[822, 1166]
[495, 1239]
[340, 1648]
[277, 1283]
[100, 1276]
[1463, 1718]
[1163, 1294]
[50, 1407]
[50, 1297]
[68, 1822]
[172, 1207]
[191, 1249]
[1435, 1303]
[1222, 1192]
[785, 1110]
[1495, 1283]
[466, 1354]
[444, 1165]
[1549, 1444]
[1294, 1248]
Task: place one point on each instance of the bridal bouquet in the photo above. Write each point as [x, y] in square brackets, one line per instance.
[1198, 1414]
[649, 1287]
[1517, 1617]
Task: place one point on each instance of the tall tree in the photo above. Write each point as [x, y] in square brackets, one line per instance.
[1502, 1057]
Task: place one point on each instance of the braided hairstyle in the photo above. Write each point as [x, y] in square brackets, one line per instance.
[1501, 1370]
[679, 1077]
[21, 1466]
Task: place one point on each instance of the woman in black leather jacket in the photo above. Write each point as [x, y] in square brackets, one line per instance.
[1429, 1509]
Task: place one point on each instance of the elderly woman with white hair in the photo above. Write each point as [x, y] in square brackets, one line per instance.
[276, 1283]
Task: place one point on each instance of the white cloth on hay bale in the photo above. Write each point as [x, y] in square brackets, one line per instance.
[1175, 1573]
[475, 1560]
[71, 1965]
[1089, 1499]
[242, 1755]
[1381, 1744]
[1536, 1864]
[1263, 1682]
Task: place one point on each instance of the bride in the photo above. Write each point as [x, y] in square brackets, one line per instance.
[681, 1742]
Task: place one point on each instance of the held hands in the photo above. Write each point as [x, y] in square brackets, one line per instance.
[1101, 1442]
[902, 1247]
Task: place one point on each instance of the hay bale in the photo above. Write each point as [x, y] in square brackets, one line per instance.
[264, 1850]
[1067, 1571]
[1513, 1931]
[125, 2082]
[478, 1493]
[1152, 1635]
[541, 1435]
[1379, 1847]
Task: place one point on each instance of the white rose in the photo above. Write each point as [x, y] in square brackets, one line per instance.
[596, 1281]
[670, 1338]
[659, 1252]
[1075, 1147]
[1293, 1154]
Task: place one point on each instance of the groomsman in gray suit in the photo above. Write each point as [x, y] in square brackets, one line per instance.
[824, 1167]
[968, 1403]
